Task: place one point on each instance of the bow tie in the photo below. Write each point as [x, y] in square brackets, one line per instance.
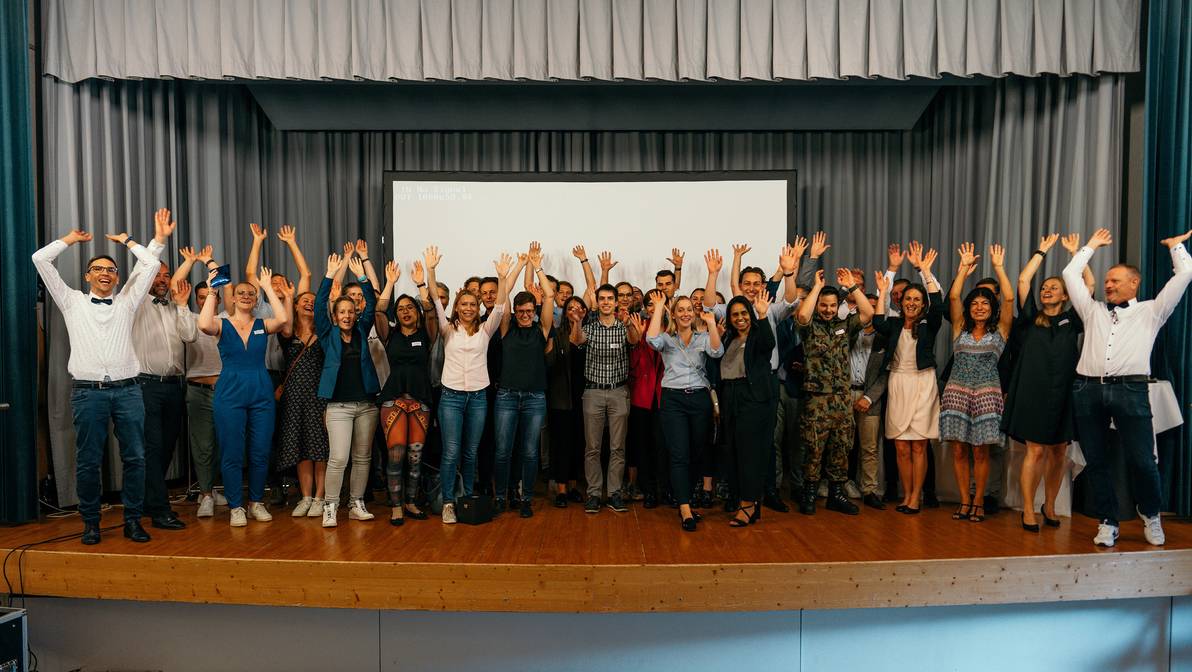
[104, 301]
[161, 302]
[1112, 306]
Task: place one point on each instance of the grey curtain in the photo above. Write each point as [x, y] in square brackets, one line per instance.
[1003, 162]
[669, 40]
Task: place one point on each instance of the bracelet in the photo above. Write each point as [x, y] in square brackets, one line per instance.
[850, 290]
[363, 259]
[420, 285]
[787, 275]
[128, 241]
[1041, 253]
[583, 261]
[362, 278]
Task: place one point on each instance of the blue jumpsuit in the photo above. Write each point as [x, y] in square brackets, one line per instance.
[243, 410]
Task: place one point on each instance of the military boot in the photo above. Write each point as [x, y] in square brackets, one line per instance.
[838, 501]
[807, 502]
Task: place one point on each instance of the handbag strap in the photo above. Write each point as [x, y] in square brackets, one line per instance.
[286, 378]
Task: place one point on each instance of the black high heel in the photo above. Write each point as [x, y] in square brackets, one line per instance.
[753, 514]
[975, 517]
[1028, 528]
[688, 524]
[963, 512]
[1049, 522]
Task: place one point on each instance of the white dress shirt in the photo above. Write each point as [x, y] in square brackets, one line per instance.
[158, 333]
[465, 357]
[1118, 342]
[100, 334]
[202, 355]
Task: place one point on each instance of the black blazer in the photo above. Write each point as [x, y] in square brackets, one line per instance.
[759, 345]
[890, 329]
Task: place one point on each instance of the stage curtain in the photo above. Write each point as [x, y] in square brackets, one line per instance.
[537, 40]
[1003, 162]
[18, 283]
[1167, 204]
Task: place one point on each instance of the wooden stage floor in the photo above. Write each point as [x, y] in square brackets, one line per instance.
[566, 560]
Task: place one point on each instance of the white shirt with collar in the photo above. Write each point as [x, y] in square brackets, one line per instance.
[1118, 341]
[100, 334]
[202, 355]
[158, 334]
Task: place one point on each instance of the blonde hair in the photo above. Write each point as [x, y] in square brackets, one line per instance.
[1043, 319]
[672, 327]
[454, 319]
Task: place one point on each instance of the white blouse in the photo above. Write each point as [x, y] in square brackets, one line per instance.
[465, 356]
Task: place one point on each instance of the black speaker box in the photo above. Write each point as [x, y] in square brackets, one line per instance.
[474, 510]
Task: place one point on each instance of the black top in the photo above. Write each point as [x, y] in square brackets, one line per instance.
[349, 385]
[759, 345]
[523, 359]
[409, 365]
[565, 371]
[1038, 407]
[889, 330]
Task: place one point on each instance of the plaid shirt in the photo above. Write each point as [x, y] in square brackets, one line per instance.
[606, 361]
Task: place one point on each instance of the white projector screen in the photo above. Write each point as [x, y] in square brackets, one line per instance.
[638, 220]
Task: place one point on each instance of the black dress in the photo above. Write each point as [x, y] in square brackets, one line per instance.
[1039, 406]
[301, 432]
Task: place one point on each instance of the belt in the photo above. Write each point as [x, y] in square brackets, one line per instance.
[205, 386]
[1113, 380]
[685, 390]
[147, 378]
[602, 386]
[857, 388]
[102, 384]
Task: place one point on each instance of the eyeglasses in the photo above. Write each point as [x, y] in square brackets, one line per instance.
[405, 309]
[246, 292]
[524, 311]
[110, 270]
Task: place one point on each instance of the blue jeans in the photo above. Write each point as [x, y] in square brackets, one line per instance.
[461, 422]
[92, 409]
[519, 417]
[1129, 406]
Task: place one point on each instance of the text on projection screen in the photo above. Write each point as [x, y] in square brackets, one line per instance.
[639, 222]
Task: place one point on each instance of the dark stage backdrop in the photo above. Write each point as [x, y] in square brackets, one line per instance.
[1002, 162]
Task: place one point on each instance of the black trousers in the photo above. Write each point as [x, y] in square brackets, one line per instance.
[686, 418]
[748, 430]
[566, 429]
[486, 453]
[165, 409]
[645, 432]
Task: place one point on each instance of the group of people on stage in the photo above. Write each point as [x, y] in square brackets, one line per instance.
[647, 396]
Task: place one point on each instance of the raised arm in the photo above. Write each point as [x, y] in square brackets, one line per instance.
[281, 316]
[807, 308]
[259, 234]
[189, 257]
[589, 294]
[734, 271]
[503, 266]
[546, 316]
[894, 258]
[349, 250]
[788, 263]
[1078, 292]
[1071, 243]
[849, 280]
[392, 274]
[183, 318]
[676, 260]
[968, 264]
[997, 254]
[432, 258]
[369, 271]
[523, 261]
[335, 264]
[654, 330]
[43, 261]
[715, 347]
[208, 324]
[287, 235]
[1032, 266]
[883, 282]
[606, 264]
[1169, 297]
[714, 263]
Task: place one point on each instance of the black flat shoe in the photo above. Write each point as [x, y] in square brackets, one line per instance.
[525, 510]
[773, 501]
[415, 515]
[1028, 528]
[90, 534]
[874, 502]
[909, 511]
[1049, 522]
[561, 501]
[170, 522]
[650, 501]
[134, 531]
[397, 522]
[688, 524]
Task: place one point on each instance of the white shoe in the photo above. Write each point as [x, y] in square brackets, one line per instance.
[357, 510]
[1107, 534]
[449, 514]
[303, 507]
[1152, 529]
[206, 507]
[851, 491]
[259, 512]
[329, 511]
[316, 508]
[823, 488]
[238, 517]
[220, 500]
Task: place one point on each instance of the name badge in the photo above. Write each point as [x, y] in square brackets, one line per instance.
[259, 331]
[838, 332]
[1062, 323]
[614, 346]
[415, 344]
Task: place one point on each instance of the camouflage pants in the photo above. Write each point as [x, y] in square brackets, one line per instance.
[827, 433]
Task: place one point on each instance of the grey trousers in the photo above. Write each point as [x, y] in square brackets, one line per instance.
[350, 427]
[603, 407]
[204, 449]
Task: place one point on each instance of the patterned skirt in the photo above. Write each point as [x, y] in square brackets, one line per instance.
[972, 415]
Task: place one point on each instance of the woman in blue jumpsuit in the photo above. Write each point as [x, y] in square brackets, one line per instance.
[243, 406]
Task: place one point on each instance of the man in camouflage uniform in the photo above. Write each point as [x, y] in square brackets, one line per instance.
[827, 422]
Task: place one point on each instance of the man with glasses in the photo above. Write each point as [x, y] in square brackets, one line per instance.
[104, 367]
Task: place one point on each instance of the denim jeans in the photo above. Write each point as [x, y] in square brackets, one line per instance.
[1129, 407]
[125, 408]
[461, 421]
[519, 417]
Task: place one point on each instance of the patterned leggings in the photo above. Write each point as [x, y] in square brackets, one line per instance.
[404, 422]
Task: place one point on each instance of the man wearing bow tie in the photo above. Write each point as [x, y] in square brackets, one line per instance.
[161, 325]
[1112, 375]
[104, 367]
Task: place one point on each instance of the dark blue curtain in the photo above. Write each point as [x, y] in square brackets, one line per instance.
[1167, 181]
[18, 284]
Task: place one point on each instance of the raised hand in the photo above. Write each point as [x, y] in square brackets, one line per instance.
[741, 250]
[714, 261]
[819, 244]
[676, 258]
[606, 261]
[432, 257]
[349, 248]
[392, 272]
[535, 254]
[76, 236]
[788, 261]
[1100, 238]
[188, 254]
[1071, 242]
[356, 267]
[858, 276]
[968, 256]
[286, 234]
[536, 290]
[264, 279]
[204, 254]
[361, 248]
[844, 277]
[579, 253]
[721, 326]
[118, 238]
[334, 262]
[1176, 240]
[211, 275]
[503, 264]
[287, 291]
[418, 275]
[762, 304]
[799, 246]
[997, 255]
[1047, 242]
[657, 296]
[880, 281]
[895, 256]
[819, 278]
[258, 232]
[708, 317]
[635, 321]
[928, 260]
[163, 227]
[181, 292]
[914, 253]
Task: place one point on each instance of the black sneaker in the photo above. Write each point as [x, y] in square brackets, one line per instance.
[593, 505]
[650, 501]
[617, 504]
[498, 506]
[561, 501]
[575, 496]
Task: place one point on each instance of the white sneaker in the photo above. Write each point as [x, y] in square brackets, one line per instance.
[259, 512]
[449, 514]
[1152, 529]
[220, 500]
[357, 510]
[206, 507]
[303, 507]
[1107, 535]
[316, 508]
[329, 511]
[851, 491]
[238, 517]
[823, 488]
